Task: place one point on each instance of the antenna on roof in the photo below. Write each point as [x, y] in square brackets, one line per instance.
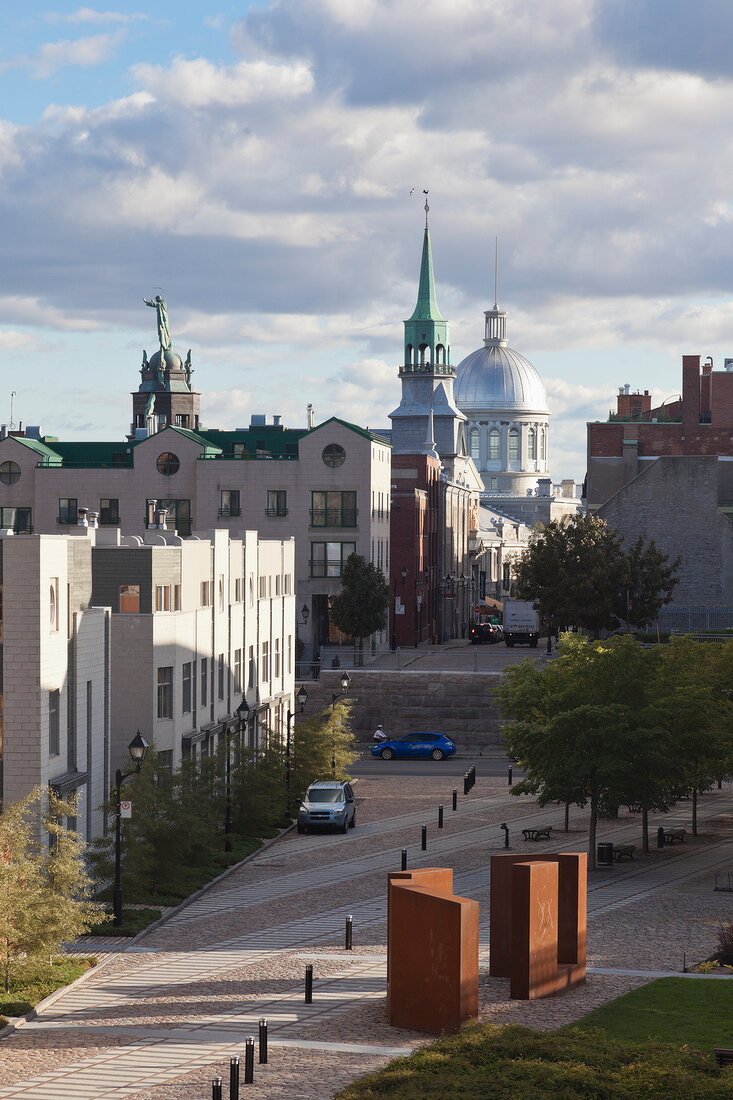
[12, 422]
[496, 275]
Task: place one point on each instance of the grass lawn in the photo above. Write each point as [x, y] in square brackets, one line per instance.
[133, 921]
[38, 982]
[693, 1011]
[655, 1042]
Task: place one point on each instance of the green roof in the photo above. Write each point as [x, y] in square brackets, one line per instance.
[195, 437]
[426, 308]
[50, 456]
[271, 438]
[81, 452]
[353, 428]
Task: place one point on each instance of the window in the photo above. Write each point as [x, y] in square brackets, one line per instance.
[129, 599]
[475, 445]
[162, 597]
[543, 444]
[276, 659]
[53, 604]
[186, 693]
[237, 670]
[221, 592]
[265, 666]
[109, 512]
[176, 597]
[252, 672]
[277, 502]
[229, 503]
[327, 558]
[204, 680]
[164, 759]
[239, 450]
[165, 692]
[54, 747]
[206, 593]
[532, 444]
[333, 509]
[494, 445]
[333, 455]
[513, 445]
[263, 587]
[168, 464]
[221, 675]
[68, 510]
[178, 515]
[278, 584]
[251, 590]
[286, 584]
[17, 519]
[9, 473]
[181, 420]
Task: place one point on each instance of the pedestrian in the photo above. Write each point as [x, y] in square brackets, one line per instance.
[379, 734]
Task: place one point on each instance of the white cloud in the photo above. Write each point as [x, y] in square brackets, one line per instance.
[31, 311]
[91, 15]
[199, 83]
[82, 53]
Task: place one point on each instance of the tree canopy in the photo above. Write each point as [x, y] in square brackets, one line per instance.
[615, 722]
[360, 608]
[577, 573]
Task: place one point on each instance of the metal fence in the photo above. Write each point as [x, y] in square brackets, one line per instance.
[683, 620]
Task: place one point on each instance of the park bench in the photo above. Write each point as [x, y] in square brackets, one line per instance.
[634, 807]
[624, 851]
[537, 834]
[673, 835]
[723, 1057]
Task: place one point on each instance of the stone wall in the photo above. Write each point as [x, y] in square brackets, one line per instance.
[459, 704]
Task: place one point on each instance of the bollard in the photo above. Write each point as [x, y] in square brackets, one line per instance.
[505, 827]
[660, 837]
[455, 800]
[234, 1078]
[404, 859]
[216, 1089]
[509, 776]
[349, 928]
[263, 1042]
[249, 1060]
[309, 984]
[472, 777]
[465, 784]
[440, 817]
[424, 843]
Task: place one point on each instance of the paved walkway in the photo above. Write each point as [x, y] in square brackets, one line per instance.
[183, 999]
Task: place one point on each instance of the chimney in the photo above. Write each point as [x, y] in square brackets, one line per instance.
[83, 521]
[310, 417]
[690, 400]
[276, 420]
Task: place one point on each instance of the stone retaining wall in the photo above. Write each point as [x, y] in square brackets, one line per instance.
[459, 704]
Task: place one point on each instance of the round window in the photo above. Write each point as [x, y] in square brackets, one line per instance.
[334, 455]
[168, 463]
[9, 473]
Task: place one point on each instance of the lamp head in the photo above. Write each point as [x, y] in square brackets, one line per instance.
[305, 612]
[345, 681]
[138, 749]
[302, 698]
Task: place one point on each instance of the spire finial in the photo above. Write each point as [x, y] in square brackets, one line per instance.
[427, 208]
[496, 275]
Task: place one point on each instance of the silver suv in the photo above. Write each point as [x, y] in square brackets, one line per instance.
[327, 804]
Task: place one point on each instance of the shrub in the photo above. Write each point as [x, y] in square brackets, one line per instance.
[725, 943]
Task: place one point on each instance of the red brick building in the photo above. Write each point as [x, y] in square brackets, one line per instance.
[415, 542]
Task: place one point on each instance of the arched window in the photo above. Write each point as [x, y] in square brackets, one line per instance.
[494, 445]
[513, 445]
[439, 354]
[543, 444]
[532, 444]
[424, 350]
[408, 355]
[475, 445]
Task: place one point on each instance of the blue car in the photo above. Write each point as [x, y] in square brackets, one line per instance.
[432, 746]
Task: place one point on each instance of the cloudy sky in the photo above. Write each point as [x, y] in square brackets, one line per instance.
[255, 162]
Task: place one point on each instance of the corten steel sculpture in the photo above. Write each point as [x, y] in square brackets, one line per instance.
[432, 952]
[538, 922]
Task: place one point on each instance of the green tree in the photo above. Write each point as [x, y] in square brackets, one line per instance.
[361, 606]
[45, 891]
[576, 573]
[648, 583]
[319, 741]
[584, 726]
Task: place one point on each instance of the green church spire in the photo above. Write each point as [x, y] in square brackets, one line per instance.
[427, 347]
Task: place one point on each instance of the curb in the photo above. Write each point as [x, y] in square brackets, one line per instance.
[15, 1022]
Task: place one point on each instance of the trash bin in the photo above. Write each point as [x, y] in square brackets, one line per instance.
[605, 855]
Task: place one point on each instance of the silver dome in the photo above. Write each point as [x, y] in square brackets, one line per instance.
[496, 377]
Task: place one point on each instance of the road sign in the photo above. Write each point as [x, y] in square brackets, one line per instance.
[126, 809]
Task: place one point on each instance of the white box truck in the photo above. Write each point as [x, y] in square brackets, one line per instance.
[521, 623]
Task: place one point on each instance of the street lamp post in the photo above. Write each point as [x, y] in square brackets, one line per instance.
[301, 698]
[345, 680]
[243, 712]
[138, 749]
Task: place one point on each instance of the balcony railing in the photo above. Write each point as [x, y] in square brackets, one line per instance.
[229, 513]
[330, 568]
[333, 517]
[276, 511]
